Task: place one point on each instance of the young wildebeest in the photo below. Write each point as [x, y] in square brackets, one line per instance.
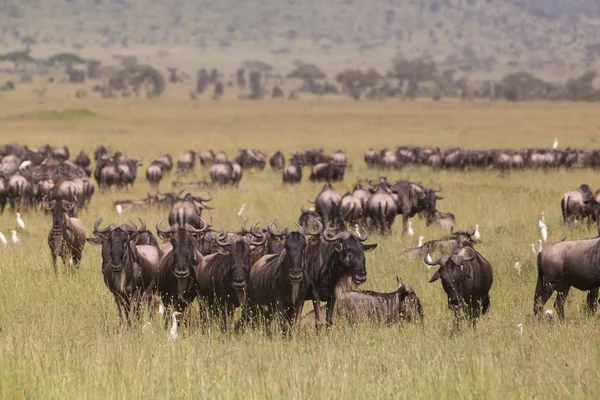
[222, 277]
[329, 260]
[466, 278]
[278, 282]
[175, 282]
[380, 308]
[67, 236]
[562, 265]
[129, 270]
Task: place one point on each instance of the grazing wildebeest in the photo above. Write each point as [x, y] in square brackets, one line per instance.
[330, 260]
[278, 283]
[327, 172]
[466, 278]
[381, 207]
[222, 277]
[226, 173]
[175, 282]
[576, 205]
[380, 308]
[277, 161]
[154, 174]
[413, 199]
[566, 264]
[165, 162]
[293, 172]
[327, 205]
[129, 267]
[67, 236]
[188, 211]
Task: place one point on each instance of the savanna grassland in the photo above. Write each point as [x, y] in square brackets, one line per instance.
[60, 337]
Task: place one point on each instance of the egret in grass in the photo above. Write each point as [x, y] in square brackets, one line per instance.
[173, 332]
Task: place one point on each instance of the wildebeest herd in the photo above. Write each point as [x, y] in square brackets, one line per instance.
[269, 272]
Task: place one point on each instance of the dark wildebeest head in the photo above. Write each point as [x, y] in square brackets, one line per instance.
[118, 243]
[351, 253]
[453, 274]
[430, 209]
[184, 253]
[60, 211]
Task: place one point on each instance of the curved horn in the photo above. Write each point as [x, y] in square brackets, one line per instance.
[258, 234]
[311, 201]
[143, 227]
[167, 232]
[335, 238]
[133, 224]
[102, 231]
[203, 198]
[319, 230]
[302, 209]
[361, 237]
[470, 232]
[191, 229]
[221, 238]
[301, 229]
[244, 230]
[276, 232]
[436, 262]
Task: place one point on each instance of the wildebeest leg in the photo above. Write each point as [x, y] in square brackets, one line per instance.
[559, 303]
[225, 311]
[404, 222]
[119, 308]
[485, 305]
[317, 308]
[298, 316]
[329, 312]
[592, 301]
[543, 291]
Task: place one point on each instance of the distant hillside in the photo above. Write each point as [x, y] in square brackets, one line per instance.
[473, 35]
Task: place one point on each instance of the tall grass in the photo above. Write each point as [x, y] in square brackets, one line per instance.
[61, 337]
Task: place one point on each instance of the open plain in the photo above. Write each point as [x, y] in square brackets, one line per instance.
[60, 337]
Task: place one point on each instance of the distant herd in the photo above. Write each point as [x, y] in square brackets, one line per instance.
[270, 272]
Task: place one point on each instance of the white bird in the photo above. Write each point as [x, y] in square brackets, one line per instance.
[161, 309]
[539, 246]
[518, 267]
[239, 214]
[555, 144]
[24, 164]
[411, 231]
[20, 222]
[549, 314]
[420, 241]
[3, 239]
[147, 325]
[429, 260]
[543, 217]
[173, 332]
[119, 209]
[15, 238]
[543, 230]
[520, 328]
[476, 235]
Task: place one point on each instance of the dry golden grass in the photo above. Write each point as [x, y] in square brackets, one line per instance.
[60, 338]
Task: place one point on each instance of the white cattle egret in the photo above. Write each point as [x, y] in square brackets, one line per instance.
[539, 246]
[429, 260]
[3, 239]
[420, 241]
[549, 314]
[15, 238]
[161, 309]
[20, 222]
[173, 332]
[411, 231]
[476, 235]
[520, 329]
[518, 267]
[119, 209]
[24, 164]
[555, 144]
[239, 214]
[543, 230]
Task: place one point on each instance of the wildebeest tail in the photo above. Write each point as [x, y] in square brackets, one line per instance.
[564, 205]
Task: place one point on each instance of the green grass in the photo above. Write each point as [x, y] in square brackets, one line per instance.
[61, 338]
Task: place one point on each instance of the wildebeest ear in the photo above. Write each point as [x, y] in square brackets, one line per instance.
[435, 276]
[369, 247]
[94, 241]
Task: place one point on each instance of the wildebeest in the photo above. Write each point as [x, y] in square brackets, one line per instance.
[19, 192]
[293, 172]
[380, 308]
[3, 194]
[381, 207]
[413, 199]
[308, 218]
[330, 260]
[327, 205]
[351, 210]
[566, 264]
[186, 161]
[328, 171]
[83, 161]
[175, 282]
[466, 278]
[189, 210]
[154, 174]
[129, 268]
[277, 161]
[222, 277]
[576, 205]
[165, 162]
[444, 220]
[363, 195]
[207, 158]
[67, 235]
[278, 282]
[248, 158]
[226, 173]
